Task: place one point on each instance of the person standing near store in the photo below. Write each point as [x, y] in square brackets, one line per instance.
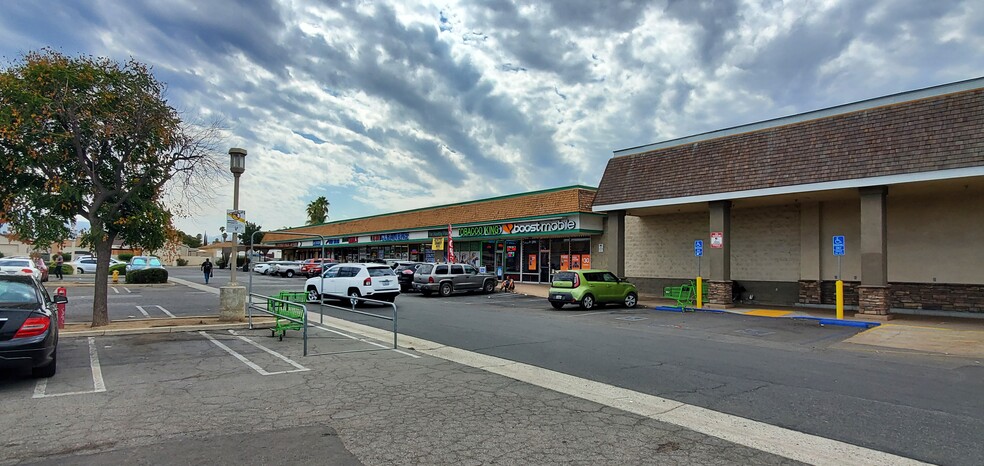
[207, 269]
[59, 261]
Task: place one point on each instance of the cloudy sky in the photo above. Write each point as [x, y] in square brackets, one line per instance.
[391, 105]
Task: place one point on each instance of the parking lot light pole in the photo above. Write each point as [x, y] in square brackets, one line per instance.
[232, 297]
[237, 165]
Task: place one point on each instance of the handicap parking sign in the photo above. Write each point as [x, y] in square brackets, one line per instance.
[839, 246]
[698, 248]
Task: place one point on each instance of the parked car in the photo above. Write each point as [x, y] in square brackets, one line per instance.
[373, 281]
[28, 325]
[314, 267]
[144, 262]
[404, 273]
[589, 288]
[87, 264]
[449, 278]
[263, 268]
[286, 269]
[19, 266]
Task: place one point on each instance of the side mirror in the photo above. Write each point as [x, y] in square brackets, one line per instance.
[60, 299]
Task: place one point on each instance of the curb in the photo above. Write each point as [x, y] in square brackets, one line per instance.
[167, 329]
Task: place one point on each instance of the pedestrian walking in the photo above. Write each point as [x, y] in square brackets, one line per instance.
[59, 261]
[207, 269]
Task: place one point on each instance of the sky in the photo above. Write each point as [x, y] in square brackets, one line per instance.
[384, 106]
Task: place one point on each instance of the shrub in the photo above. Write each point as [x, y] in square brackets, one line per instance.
[221, 263]
[124, 257]
[120, 267]
[182, 262]
[147, 276]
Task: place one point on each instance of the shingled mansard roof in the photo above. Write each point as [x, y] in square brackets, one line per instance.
[928, 134]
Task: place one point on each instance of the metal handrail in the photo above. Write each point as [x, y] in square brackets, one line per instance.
[354, 300]
[303, 321]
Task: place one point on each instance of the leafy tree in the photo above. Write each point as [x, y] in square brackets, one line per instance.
[317, 211]
[225, 236]
[96, 138]
[190, 241]
[246, 237]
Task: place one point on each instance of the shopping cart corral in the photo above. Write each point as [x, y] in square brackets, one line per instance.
[290, 310]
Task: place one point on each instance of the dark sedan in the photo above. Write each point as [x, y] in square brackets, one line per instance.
[404, 274]
[28, 325]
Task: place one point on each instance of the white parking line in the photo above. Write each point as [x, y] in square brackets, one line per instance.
[116, 290]
[98, 385]
[127, 290]
[166, 312]
[142, 311]
[268, 350]
[363, 340]
[251, 364]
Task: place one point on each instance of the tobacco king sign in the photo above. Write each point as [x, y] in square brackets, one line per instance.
[549, 226]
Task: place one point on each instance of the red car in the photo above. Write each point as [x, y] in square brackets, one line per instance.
[314, 267]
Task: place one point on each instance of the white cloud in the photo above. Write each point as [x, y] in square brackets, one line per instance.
[384, 106]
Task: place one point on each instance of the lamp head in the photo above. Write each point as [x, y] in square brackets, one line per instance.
[237, 160]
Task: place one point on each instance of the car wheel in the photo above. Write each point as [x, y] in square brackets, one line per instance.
[446, 289]
[312, 295]
[290, 274]
[587, 302]
[48, 370]
[489, 286]
[80, 271]
[354, 293]
[631, 300]
[425, 292]
[556, 305]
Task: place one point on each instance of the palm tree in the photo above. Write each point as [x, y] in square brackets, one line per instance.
[224, 234]
[317, 211]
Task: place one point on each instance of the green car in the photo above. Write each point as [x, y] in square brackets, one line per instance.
[590, 288]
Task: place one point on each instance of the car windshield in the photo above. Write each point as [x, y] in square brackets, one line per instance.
[564, 277]
[155, 262]
[425, 269]
[380, 271]
[138, 261]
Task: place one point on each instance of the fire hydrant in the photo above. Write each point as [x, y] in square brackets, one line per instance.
[116, 276]
[61, 291]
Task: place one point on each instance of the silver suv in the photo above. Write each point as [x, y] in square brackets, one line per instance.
[448, 278]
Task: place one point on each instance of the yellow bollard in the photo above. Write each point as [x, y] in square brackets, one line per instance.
[116, 276]
[840, 300]
[700, 293]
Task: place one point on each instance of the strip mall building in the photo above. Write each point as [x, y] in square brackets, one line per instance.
[899, 179]
[526, 236]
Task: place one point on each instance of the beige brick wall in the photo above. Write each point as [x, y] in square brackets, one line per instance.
[840, 218]
[765, 243]
[662, 246]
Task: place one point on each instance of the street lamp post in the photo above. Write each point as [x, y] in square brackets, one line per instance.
[237, 165]
[232, 297]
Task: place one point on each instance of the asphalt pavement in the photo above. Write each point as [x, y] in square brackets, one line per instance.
[478, 399]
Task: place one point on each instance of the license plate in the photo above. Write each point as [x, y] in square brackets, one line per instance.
[557, 296]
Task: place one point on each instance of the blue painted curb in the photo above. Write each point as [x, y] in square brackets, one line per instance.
[819, 320]
[842, 323]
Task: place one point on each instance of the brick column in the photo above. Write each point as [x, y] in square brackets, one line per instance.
[873, 294]
[719, 259]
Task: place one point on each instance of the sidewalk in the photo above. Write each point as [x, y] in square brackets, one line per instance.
[942, 335]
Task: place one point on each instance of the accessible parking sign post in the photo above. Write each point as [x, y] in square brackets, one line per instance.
[840, 248]
[699, 252]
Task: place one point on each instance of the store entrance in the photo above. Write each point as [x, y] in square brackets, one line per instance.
[544, 266]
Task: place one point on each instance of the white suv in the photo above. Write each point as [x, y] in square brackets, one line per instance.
[372, 281]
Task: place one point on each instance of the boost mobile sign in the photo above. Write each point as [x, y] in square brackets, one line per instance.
[518, 228]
